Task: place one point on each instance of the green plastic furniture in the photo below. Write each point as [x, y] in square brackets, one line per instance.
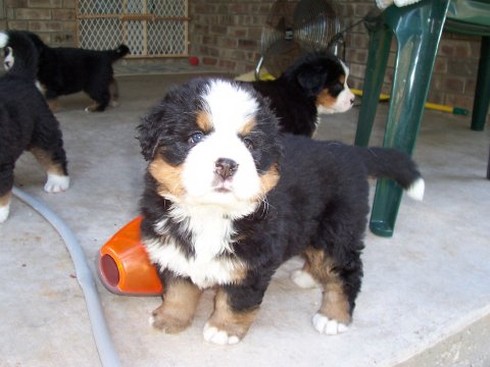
[418, 30]
[472, 17]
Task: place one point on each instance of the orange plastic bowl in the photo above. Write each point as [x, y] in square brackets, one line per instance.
[124, 266]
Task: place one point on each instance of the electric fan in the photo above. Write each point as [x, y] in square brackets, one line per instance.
[296, 27]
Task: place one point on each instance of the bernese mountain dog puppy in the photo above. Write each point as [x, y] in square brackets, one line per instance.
[26, 122]
[315, 84]
[67, 70]
[228, 199]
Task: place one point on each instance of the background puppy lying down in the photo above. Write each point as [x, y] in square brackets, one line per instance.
[26, 122]
[228, 199]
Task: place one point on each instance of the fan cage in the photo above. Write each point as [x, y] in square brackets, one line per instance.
[150, 28]
[297, 27]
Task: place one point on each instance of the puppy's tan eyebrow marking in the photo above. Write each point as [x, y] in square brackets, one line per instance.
[248, 127]
[203, 121]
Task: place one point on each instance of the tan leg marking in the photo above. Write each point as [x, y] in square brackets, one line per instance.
[54, 105]
[114, 93]
[335, 304]
[92, 108]
[45, 160]
[5, 199]
[225, 325]
[177, 310]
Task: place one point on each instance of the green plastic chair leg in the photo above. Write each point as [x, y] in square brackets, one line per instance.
[482, 91]
[379, 49]
[418, 30]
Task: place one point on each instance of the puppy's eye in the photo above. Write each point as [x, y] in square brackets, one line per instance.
[248, 143]
[195, 138]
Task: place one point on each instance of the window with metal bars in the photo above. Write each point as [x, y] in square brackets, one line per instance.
[150, 28]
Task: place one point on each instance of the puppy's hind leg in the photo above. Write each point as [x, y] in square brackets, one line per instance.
[99, 91]
[114, 93]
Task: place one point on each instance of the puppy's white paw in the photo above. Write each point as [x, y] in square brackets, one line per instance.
[214, 335]
[303, 279]
[4, 212]
[324, 325]
[56, 183]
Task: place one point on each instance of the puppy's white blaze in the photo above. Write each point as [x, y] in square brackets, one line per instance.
[229, 106]
[4, 38]
[4, 212]
[417, 189]
[56, 183]
[324, 325]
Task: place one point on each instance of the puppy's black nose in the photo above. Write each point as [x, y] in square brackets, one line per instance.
[225, 167]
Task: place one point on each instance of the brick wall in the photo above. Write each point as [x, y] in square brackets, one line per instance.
[226, 34]
[53, 20]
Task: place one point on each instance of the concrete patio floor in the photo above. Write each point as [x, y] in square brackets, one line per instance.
[425, 299]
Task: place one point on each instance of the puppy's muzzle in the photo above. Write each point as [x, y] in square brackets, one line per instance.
[225, 168]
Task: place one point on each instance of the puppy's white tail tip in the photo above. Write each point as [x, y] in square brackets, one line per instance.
[416, 190]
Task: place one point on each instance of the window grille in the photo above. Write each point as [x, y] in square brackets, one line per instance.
[150, 28]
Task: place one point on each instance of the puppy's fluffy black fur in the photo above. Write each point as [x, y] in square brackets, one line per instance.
[314, 82]
[67, 70]
[314, 203]
[26, 122]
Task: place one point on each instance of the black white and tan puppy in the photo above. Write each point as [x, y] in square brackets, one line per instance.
[228, 199]
[67, 70]
[26, 122]
[315, 84]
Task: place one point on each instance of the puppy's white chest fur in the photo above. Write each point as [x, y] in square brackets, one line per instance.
[210, 232]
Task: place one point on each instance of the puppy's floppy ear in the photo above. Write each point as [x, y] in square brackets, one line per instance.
[312, 80]
[149, 136]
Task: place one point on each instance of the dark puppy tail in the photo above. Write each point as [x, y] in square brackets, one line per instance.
[119, 52]
[391, 163]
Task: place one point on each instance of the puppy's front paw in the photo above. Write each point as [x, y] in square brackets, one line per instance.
[214, 335]
[324, 325]
[57, 183]
[168, 322]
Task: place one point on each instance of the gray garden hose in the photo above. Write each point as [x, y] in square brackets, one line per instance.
[107, 353]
